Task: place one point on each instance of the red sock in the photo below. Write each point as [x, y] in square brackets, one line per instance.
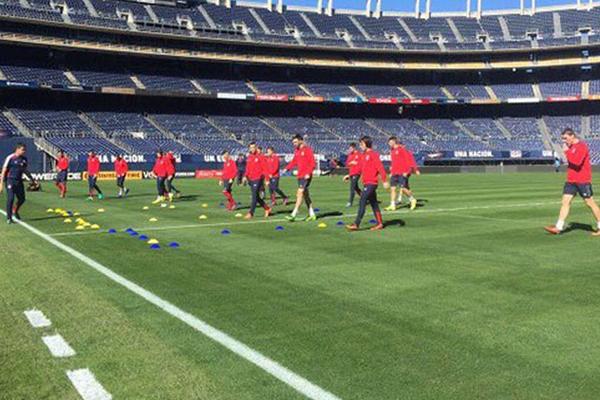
[378, 218]
[229, 199]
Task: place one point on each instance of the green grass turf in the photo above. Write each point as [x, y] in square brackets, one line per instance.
[464, 298]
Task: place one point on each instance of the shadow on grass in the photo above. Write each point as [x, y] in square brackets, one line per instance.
[576, 226]
[394, 222]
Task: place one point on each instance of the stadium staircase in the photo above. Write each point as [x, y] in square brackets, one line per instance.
[502, 129]
[505, 31]
[434, 134]
[406, 92]
[66, 18]
[357, 92]
[151, 13]
[447, 93]
[223, 131]
[138, 83]
[378, 128]
[207, 17]
[251, 86]
[285, 135]
[463, 128]
[24, 4]
[491, 92]
[585, 89]
[12, 118]
[536, 91]
[198, 86]
[325, 127]
[360, 27]
[2, 76]
[92, 125]
[459, 37]
[161, 129]
[312, 26]
[72, 78]
[547, 138]
[305, 89]
[91, 9]
[259, 20]
[586, 126]
[408, 31]
[557, 24]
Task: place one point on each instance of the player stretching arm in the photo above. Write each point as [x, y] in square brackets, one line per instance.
[13, 169]
[579, 181]
[304, 160]
[371, 171]
[353, 165]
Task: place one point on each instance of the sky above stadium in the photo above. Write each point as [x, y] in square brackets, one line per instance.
[437, 5]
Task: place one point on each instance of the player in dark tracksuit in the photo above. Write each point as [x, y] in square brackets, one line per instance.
[255, 175]
[371, 171]
[353, 165]
[13, 169]
[241, 167]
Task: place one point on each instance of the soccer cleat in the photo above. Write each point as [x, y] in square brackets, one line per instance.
[552, 230]
[377, 227]
[100, 196]
[10, 221]
[16, 215]
[126, 192]
[177, 194]
[413, 204]
[90, 198]
[390, 208]
[348, 205]
[268, 212]
[311, 218]
[352, 228]
[159, 199]
[290, 218]
[171, 196]
[248, 216]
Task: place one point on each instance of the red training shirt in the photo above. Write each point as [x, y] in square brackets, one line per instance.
[579, 169]
[272, 166]
[372, 168]
[304, 160]
[403, 161]
[121, 167]
[353, 163]
[93, 165]
[160, 167]
[255, 167]
[230, 170]
[63, 163]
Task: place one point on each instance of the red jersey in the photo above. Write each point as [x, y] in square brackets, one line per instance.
[255, 167]
[353, 163]
[304, 160]
[272, 163]
[230, 170]
[63, 163]
[372, 168]
[579, 169]
[161, 167]
[93, 165]
[172, 160]
[403, 162]
[121, 167]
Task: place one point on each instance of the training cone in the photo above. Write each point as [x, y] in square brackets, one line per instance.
[152, 241]
[171, 207]
[143, 237]
[317, 209]
[174, 245]
[163, 205]
[322, 225]
[95, 226]
[372, 221]
[80, 227]
[153, 219]
[76, 214]
[50, 210]
[145, 208]
[340, 223]
[238, 215]
[101, 210]
[112, 231]
[225, 232]
[86, 224]
[155, 246]
[133, 233]
[128, 230]
[204, 205]
[279, 228]
[202, 217]
[67, 221]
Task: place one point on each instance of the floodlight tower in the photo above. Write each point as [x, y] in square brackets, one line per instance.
[329, 7]
[368, 8]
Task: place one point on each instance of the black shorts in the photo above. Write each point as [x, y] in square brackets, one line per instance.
[121, 180]
[304, 183]
[583, 189]
[400, 181]
[61, 177]
[227, 183]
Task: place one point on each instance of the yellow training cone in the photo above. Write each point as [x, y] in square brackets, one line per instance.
[67, 221]
[238, 215]
[50, 210]
[145, 208]
[322, 225]
[171, 206]
[95, 226]
[153, 219]
[204, 205]
[80, 227]
[152, 241]
[101, 210]
[202, 217]
[76, 214]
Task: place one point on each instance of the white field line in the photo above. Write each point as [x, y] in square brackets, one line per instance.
[87, 386]
[37, 319]
[274, 220]
[297, 382]
[58, 346]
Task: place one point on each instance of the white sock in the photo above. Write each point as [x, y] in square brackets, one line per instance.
[411, 198]
[598, 225]
[392, 204]
[294, 212]
[311, 212]
[560, 225]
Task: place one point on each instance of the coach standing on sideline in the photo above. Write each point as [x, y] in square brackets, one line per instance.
[13, 169]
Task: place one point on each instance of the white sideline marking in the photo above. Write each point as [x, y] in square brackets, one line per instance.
[87, 386]
[277, 370]
[58, 346]
[37, 319]
[271, 220]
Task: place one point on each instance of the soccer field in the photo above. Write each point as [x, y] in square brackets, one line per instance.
[464, 298]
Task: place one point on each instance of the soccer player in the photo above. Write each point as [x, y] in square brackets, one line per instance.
[228, 176]
[172, 170]
[272, 160]
[160, 171]
[121, 169]
[403, 165]
[13, 169]
[579, 181]
[62, 172]
[353, 165]
[255, 175]
[304, 161]
[241, 166]
[93, 169]
[371, 171]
